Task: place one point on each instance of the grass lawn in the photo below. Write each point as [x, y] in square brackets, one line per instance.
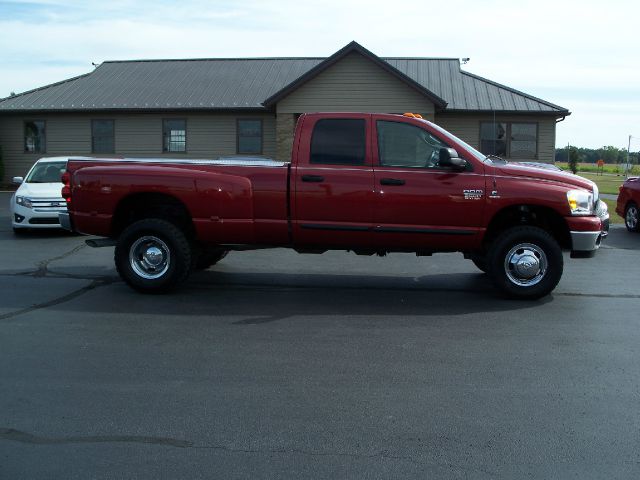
[613, 216]
[606, 183]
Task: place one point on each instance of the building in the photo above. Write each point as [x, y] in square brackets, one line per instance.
[205, 108]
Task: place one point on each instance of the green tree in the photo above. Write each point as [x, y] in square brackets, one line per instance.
[574, 158]
[610, 154]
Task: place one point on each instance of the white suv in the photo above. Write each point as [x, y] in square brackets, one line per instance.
[38, 200]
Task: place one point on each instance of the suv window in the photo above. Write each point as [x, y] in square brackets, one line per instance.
[339, 141]
[404, 145]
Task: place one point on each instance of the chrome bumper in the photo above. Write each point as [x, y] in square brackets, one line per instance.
[65, 221]
[585, 244]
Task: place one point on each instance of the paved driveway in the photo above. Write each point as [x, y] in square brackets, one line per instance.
[278, 365]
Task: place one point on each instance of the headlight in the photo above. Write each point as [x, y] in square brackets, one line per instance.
[580, 202]
[24, 201]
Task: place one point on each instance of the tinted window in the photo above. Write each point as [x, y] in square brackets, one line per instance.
[510, 140]
[174, 135]
[35, 136]
[524, 139]
[404, 145]
[339, 141]
[249, 136]
[493, 139]
[102, 136]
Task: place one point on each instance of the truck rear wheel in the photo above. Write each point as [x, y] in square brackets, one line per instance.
[153, 256]
[525, 262]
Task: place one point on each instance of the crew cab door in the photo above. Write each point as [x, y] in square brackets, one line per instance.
[420, 204]
[333, 182]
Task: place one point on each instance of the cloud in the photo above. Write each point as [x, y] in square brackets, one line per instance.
[547, 48]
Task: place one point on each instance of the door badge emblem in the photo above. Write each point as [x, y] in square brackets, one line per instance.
[472, 194]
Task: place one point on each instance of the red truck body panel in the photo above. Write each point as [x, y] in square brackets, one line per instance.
[226, 203]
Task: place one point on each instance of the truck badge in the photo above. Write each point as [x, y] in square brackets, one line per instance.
[472, 194]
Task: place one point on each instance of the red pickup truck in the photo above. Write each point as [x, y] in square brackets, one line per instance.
[368, 183]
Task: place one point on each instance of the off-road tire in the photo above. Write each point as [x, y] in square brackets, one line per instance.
[180, 255]
[531, 240]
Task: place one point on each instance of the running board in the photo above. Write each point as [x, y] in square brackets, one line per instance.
[101, 242]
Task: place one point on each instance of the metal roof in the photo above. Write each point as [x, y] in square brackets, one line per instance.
[246, 83]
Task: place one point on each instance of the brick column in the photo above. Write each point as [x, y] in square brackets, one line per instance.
[284, 135]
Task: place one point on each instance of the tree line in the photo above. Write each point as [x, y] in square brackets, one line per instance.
[610, 155]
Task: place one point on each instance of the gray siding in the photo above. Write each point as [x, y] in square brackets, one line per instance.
[136, 135]
[356, 84]
[467, 127]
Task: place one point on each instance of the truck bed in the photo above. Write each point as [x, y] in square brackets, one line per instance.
[230, 199]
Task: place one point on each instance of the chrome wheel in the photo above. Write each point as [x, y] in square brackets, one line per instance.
[149, 257]
[631, 218]
[525, 264]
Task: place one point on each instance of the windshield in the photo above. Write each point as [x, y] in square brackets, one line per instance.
[46, 172]
[479, 155]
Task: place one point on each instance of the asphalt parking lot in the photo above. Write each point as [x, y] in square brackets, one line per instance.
[279, 365]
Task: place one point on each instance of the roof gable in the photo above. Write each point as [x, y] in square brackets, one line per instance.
[353, 47]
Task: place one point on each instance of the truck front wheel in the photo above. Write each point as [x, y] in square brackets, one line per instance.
[153, 256]
[525, 262]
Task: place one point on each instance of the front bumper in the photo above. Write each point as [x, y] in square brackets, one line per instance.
[585, 244]
[22, 217]
[65, 221]
[588, 232]
[586, 241]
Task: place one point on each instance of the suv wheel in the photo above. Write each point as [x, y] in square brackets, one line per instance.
[153, 256]
[525, 262]
[631, 219]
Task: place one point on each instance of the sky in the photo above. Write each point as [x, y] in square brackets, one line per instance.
[582, 55]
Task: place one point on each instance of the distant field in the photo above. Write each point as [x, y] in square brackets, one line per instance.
[590, 167]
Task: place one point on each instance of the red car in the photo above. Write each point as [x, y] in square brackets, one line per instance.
[629, 202]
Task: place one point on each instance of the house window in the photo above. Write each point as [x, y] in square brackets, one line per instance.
[102, 136]
[510, 140]
[523, 140]
[174, 135]
[249, 136]
[35, 139]
[339, 141]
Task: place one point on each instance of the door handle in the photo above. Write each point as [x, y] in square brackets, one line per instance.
[391, 181]
[312, 178]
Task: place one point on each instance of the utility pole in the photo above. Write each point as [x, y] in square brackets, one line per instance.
[626, 173]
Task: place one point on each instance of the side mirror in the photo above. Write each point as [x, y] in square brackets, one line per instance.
[449, 158]
[17, 180]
